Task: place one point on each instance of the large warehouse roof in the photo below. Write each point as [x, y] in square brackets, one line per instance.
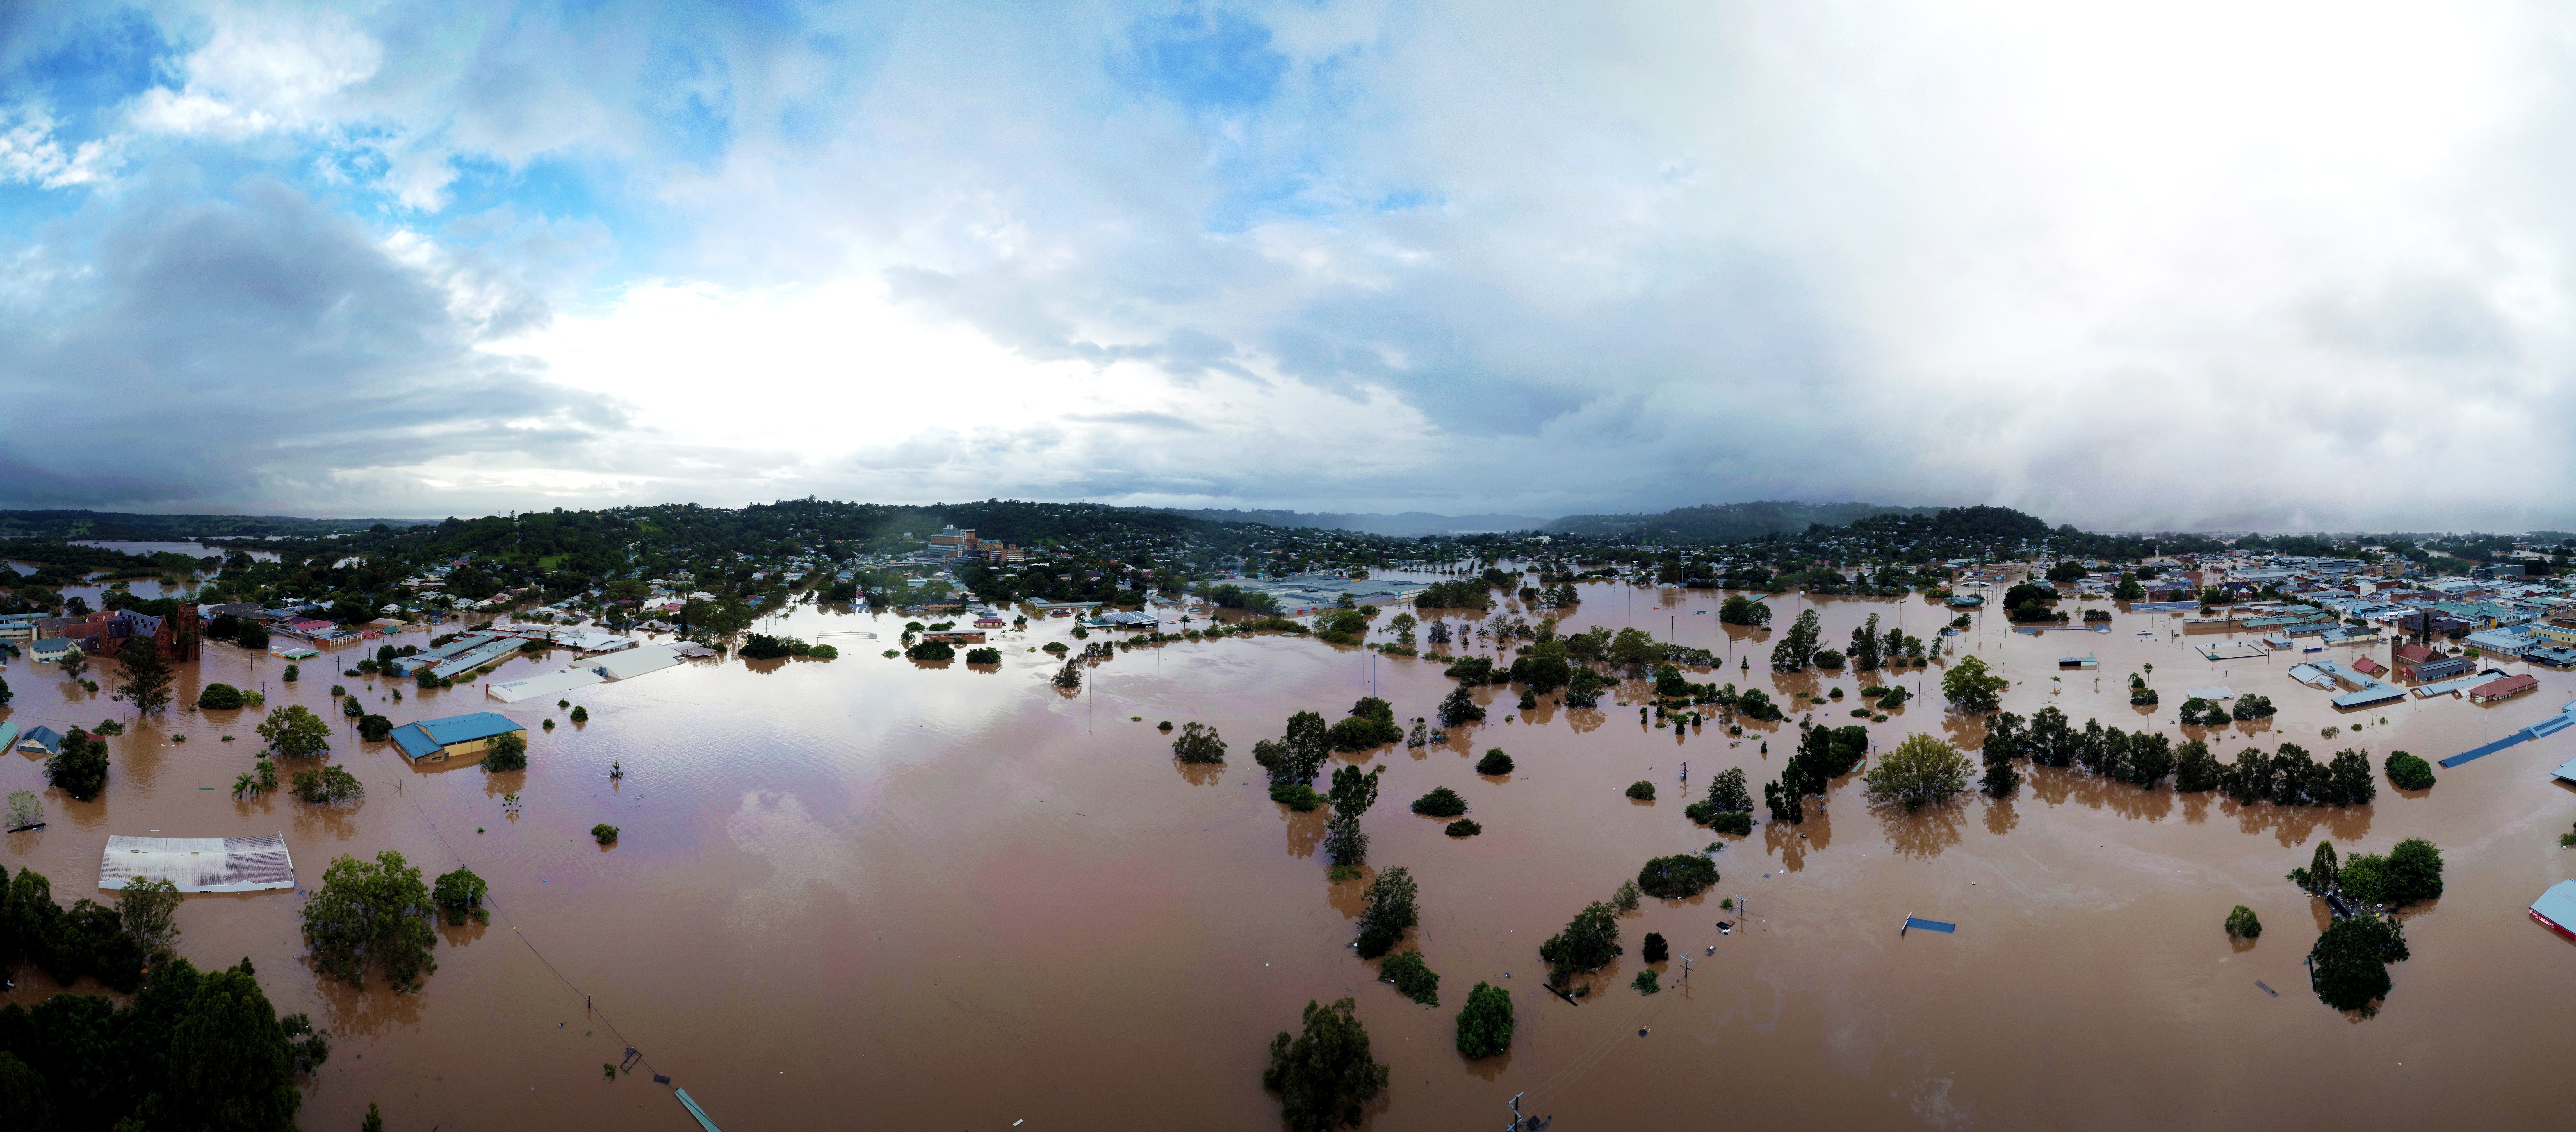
[199, 864]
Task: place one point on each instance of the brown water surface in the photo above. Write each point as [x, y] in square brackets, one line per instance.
[867, 891]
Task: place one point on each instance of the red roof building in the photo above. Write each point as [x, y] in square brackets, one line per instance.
[2369, 667]
[2503, 689]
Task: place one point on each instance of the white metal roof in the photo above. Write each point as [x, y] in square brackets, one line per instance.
[199, 864]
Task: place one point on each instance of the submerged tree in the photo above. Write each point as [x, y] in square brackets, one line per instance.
[2351, 962]
[1460, 707]
[294, 732]
[1588, 943]
[1797, 647]
[1324, 1076]
[1971, 688]
[147, 675]
[1485, 1024]
[148, 910]
[1198, 743]
[1387, 911]
[371, 916]
[1352, 794]
[1921, 771]
[80, 768]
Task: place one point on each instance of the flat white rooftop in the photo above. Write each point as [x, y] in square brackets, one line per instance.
[199, 864]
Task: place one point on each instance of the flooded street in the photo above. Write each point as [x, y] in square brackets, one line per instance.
[869, 891]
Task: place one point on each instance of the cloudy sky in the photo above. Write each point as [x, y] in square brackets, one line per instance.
[2285, 266]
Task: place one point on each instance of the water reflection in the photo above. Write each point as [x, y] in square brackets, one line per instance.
[1305, 830]
[1923, 833]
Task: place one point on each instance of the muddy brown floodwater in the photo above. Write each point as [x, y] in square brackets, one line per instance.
[867, 891]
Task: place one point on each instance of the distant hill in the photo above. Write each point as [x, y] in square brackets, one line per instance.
[1408, 523]
[1728, 522]
[117, 526]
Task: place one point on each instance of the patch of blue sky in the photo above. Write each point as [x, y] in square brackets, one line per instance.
[99, 61]
[690, 93]
[1213, 60]
[549, 187]
[24, 207]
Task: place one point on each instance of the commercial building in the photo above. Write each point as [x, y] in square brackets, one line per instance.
[437, 740]
[2504, 689]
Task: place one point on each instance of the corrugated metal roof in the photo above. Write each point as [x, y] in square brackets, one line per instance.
[199, 864]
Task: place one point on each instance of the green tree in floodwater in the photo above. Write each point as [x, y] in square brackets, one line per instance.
[147, 675]
[1352, 794]
[1485, 1023]
[1797, 647]
[1325, 1076]
[294, 732]
[1387, 911]
[2242, 924]
[1971, 688]
[371, 917]
[1198, 743]
[1921, 771]
[1588, 943]
[148, 910]
[2351, 962]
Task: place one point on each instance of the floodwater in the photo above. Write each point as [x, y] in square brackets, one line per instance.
[142, 587]
[870, 891]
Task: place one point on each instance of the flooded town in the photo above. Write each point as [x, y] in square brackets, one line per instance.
[1340, 565]
[916, 862]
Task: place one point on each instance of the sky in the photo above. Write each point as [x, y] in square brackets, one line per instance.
[2272, 266]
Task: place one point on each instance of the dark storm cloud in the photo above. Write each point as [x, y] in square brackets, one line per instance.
[197, 352]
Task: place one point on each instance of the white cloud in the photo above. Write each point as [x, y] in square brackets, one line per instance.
[262, 71]
[30, 154]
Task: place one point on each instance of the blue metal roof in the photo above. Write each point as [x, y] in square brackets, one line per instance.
[426, 737]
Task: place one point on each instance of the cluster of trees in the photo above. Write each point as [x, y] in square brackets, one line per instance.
[1870, 651]
[1824, 754]
[1738, 609]
[1370, 725]
[1921, 771]
[1678, 877]
[1325, 1076]
[1198, 743]
[758, 646]
[2351, 958]
[372, 918]
[2288, 776]
[1588, 943]
[1796, 649]
[1728, 808]
[2029, 601]
[1236, 597]
[80, 767]
[112, 943]
[1294, 759]
[1463, 593]
[192, 1050]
